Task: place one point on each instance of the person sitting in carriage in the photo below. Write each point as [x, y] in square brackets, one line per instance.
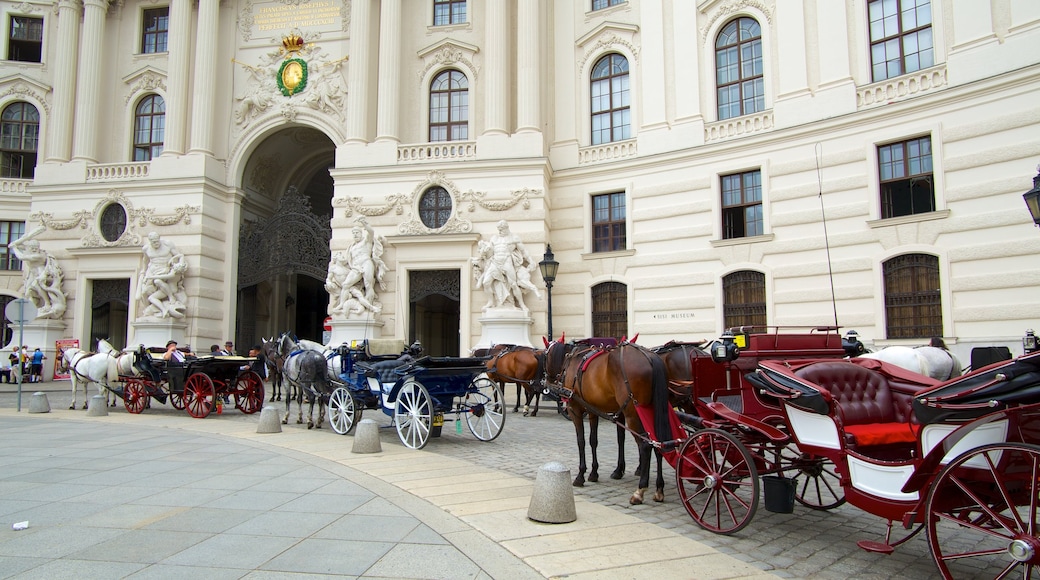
[175, 355]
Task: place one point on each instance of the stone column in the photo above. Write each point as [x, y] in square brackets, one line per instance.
[88, 88]
[358, 74]
[177, 77]
[389, 69]
[528, 63]
[204, 99]
[59, 139]
[496, 73]
[654, 106]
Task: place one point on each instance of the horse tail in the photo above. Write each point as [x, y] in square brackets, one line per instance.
[659, 398]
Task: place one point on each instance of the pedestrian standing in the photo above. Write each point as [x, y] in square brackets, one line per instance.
[37, 365]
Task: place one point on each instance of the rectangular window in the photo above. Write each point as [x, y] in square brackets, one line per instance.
[156, 29]
[601, 4]
[742, 205]
[608, 222]
[905, 169]
[9, 232]
[900, 37]
[26, 42]
[447, 12]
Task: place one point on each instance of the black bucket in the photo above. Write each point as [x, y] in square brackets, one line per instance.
[779, 493]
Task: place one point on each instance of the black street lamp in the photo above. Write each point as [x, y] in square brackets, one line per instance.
[548, 267]
[1032, 198]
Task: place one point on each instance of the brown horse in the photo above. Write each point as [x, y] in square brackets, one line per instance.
[609, 382]
[521, 365]
[680, 360]
[275, 364]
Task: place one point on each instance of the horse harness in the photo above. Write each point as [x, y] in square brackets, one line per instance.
[539, 372]
[587, 358]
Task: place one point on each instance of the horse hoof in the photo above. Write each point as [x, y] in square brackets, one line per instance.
[73, 407]
[84, 406]
[526, 414]
[659, 496]
[535, 414]
[578, 482]
[635, 500]
[617, 474]
[594, 477]
[310, 425]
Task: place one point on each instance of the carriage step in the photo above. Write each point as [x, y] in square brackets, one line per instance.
[876, 547]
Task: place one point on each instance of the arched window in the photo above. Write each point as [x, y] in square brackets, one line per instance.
[449, 107]
[435, 207]
[610, 310]
[610, 100]
[19, 140]
[149, 128]
[744, 299]
[738, 69]
[913, 301]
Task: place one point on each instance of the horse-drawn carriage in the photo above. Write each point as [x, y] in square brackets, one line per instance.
[419, 394]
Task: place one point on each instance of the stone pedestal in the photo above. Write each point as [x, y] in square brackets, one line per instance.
[39, 403]
[41, 333]
[157, 331]
[505, 326]
[345, 330]
[97, 407]
[366, 437]
[552, 500]
[269, 421]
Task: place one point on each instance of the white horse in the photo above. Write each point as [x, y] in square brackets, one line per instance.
[89, 367]
[307, 372]
[930, 361]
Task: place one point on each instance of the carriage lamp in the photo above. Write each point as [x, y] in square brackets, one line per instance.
[725, 349]
[1032, 199]
[548, 267]
[1029, 343]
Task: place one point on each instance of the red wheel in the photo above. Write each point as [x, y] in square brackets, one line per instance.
[135, 397]
[819, 485]
[177, 400]
[249, 393]
[199, 395]
[984, 512]
[717, 481]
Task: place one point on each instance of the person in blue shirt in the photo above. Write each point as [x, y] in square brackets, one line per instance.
[36, 375]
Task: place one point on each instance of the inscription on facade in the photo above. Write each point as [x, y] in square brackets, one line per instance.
[323, 15]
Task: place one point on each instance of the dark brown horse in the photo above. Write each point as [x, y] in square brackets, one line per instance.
[610, 382]
[681, 359]
[521, 365]
[275, 364]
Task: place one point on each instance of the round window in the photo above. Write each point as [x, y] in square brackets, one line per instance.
[113, 222]
[435, 207]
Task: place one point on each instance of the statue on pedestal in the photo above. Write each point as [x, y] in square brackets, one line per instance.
[43, 275]
[502, 268]
[161, 283]
[353, 274]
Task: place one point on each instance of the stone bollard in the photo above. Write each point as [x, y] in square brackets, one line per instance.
[39, 403]
[366, 437]
[97, 406]
[269, 421]
[552, 501]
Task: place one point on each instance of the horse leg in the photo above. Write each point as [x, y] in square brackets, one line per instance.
[288, 410]
[310, 410]
[659, 493]
[516, 408]
[299, 402]
[643, 470]
[74, 386]
[579, 432]
[620, 471]
[594, 446]
[534, 391]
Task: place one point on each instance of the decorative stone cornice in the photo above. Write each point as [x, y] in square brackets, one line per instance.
[447, 53]
[725, 11]
[135, 219]
[25, 88]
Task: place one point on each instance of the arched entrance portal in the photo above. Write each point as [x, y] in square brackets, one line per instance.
[284, 234]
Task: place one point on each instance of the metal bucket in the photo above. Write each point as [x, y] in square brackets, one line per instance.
[779, 493]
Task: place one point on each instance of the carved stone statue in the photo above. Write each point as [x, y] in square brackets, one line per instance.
[354, 274]
[43, 275]
[503, 269]
[161, 283]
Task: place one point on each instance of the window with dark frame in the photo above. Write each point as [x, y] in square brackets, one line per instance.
[740, 87]
[149, 128]
[608, 222]
[113, 222]
[19, 140]
[26, 41]
[611, 99]
[744, 299]
[900, 37]
[9, 232]
[6, 328]
[742, 205]
[435, 207]
[601, 4]
[905, 175]
[610, 310]
[449, 107]
[913, 301]
[447, 12]
[156, 29]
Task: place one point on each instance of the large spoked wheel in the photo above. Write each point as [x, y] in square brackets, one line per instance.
[819, 486]
[717, 481]
[135, 397]
[249, 393]
[343, 412]
[177, 400]
[484, 404]
[199, 395]
[989, 494]
[413, 415]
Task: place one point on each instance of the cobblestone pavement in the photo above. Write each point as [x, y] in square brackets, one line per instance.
[805, 544]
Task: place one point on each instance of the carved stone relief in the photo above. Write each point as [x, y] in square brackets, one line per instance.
[136, 219]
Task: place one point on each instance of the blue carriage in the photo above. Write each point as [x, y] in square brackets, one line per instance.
[419, 394]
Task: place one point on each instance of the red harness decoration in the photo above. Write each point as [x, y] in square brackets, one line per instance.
[671, 452]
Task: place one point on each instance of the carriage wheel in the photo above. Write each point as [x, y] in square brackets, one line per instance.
[413, 415]
[819, 485]
[249, 393]
[134, 397]
[343, 411]
[199, 395]
[176, 399]
[988, 494]
[484, 405]
[717, 481]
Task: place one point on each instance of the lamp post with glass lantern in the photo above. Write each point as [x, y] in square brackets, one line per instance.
[548, 267]
[1032, 199]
